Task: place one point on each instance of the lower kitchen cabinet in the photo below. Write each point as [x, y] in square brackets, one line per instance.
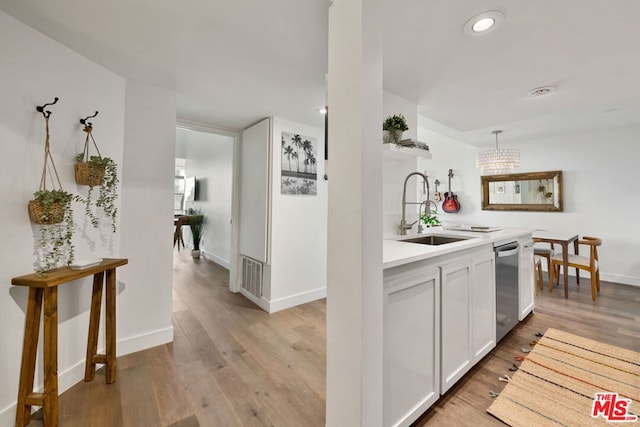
[455, 344]
[483, 305]
[411, 363]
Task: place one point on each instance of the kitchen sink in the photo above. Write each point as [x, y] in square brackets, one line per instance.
[435, 240]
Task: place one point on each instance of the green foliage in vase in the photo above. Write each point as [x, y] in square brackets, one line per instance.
[196, 223]
[395, 122]
[108, 192]
[430, 220]
[55, 243]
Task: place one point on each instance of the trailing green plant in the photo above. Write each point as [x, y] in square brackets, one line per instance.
[55, 244]
[52, 212]
[431, 219]
[108, 191]
[395, 122]
[196, 223]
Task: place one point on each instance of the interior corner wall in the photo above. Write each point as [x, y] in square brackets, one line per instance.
[394, 171]
[599, 169]
[35, 69]
[144, 302]
[209, 157]
[298, 271]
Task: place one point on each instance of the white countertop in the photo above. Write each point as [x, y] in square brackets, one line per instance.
[395, 252]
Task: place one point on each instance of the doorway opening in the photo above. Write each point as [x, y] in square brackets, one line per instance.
[205, 187]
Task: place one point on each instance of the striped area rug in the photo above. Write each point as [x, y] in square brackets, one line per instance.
[557, 382]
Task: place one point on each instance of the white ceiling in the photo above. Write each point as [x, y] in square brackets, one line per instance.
[234, 62]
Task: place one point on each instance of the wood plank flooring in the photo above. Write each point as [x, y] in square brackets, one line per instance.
[232, 364]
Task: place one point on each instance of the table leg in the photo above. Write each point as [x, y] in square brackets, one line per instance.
[29, 353]
[94, 326]
[110, 327]
[50, 344]
[565, 266]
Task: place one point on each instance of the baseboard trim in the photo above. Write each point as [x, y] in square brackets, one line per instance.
[619, 278]
[607, 277]
[286, 302]
[75, 373]
[220, 261]
[293, 300]
[143, 341]
[260, 302]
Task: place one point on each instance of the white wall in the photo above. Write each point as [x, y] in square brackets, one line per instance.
[394, 171]
[209, 157]
[33, 70]
[298, 229]
[144, 307]
[600, 173]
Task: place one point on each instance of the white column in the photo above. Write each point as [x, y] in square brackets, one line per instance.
[354, 292]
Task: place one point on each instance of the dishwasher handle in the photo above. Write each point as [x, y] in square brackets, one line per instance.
[508, 249]
[506, 253]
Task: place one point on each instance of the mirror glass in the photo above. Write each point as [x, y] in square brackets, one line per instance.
[534, 191]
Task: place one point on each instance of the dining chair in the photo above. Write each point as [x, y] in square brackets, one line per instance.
[589, 263]
[545, 250]
[537, 273]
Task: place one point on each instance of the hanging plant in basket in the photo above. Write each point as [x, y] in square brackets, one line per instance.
[51, 210]
[97, 171]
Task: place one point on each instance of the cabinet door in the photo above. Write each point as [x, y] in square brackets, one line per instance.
[411, 345]
[526, 280]
[483, 305]
[455, 346]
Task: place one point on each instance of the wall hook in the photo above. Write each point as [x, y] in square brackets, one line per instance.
[85, 122]
[41, 108]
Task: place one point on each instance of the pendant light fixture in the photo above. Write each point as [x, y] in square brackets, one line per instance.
[498, 161]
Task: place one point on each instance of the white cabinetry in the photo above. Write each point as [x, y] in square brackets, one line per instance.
[483, 305]
[439, 320]
[525, 279]
[411, 343]
[456, 322]
[468, 307]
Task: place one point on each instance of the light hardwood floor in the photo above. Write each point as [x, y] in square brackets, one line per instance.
[232, 364]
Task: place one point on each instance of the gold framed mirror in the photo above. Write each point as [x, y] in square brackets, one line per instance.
[533, 191]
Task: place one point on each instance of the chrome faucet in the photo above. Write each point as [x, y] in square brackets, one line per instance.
[402, 229]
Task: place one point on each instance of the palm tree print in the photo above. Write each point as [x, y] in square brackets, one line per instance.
[297, 142]
[288, 151]
[302, 149]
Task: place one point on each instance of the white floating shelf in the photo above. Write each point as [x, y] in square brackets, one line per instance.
[398, 152]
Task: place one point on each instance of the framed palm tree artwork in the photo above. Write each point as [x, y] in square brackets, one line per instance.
[299, 164]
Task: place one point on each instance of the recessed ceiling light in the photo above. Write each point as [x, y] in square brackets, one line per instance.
[483, 23]
[541, 91]
[322, 110]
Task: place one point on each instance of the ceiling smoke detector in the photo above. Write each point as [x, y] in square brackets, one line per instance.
[541, 91]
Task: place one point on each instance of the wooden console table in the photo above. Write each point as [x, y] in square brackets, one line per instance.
[47, 287]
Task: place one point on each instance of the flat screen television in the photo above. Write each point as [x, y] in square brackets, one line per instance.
[191, 189]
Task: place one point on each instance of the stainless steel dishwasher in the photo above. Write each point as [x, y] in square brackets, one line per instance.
[507, 299]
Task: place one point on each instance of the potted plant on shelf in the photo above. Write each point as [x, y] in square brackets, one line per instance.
[393, 127]
[99, 171]
[196, 224]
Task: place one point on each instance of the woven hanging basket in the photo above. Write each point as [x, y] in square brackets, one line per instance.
[88, 174]
[52, 214]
